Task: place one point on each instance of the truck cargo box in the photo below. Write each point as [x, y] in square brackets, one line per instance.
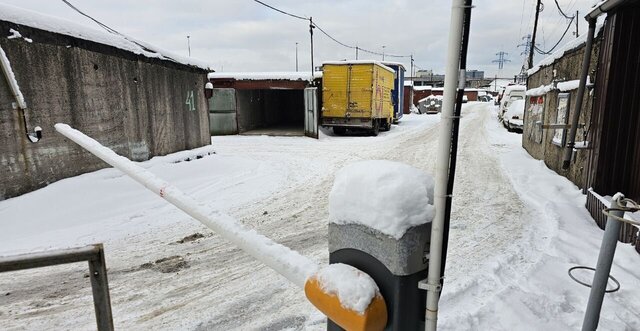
[357, 95]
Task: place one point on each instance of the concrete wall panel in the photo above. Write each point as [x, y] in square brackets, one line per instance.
[132, 104]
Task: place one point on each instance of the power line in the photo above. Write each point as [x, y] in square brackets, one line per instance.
[281, 11]
[561, 12]
[104, 26]
[558, 43]
[330, 36]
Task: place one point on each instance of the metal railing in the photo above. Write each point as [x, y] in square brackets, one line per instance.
[94, 254]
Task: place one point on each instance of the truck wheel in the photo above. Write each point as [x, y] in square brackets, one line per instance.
[376, 128]
[387, 126]
[339, 131]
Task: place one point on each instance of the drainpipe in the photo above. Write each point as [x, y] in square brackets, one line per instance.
[442, 166]
[591, 17]
[17, 95]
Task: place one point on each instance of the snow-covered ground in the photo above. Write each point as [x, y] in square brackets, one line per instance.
[516, 229]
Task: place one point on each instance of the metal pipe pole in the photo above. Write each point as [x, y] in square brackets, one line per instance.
[603, 268]
[442, 165]
[533, 37]
[189, 45]
[586, 60]
[296, 57]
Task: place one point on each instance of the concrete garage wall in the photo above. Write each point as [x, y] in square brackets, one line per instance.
[565, 68]
[131, 103]
[266, 108]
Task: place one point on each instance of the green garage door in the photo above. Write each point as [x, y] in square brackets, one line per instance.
[222, 112]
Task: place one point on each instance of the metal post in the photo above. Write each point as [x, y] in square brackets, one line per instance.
[443, 157]
[100, 288]
[356, 52]
[313, 69]
[577, 13]
[586, 61]
[383, 46]
[189, 45]
[603, 268]
[533, 38]
[296, 56]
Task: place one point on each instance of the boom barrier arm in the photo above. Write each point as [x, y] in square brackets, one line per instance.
[297, 268]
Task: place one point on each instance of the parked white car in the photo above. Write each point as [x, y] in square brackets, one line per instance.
[513, 118]
[511, 94]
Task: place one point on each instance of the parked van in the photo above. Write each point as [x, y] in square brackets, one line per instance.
[511, 94]
[357, 95]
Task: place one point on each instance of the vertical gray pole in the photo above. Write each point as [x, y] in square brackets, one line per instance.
[189, 45]
[356, 52]
[603, 267]
[100, 288]
[296, 57]
[586, 61]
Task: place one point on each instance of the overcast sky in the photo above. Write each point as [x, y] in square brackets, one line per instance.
[242, 35]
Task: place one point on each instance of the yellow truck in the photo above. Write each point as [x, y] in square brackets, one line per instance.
[356, 95]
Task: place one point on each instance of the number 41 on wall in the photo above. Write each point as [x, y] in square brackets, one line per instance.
[190, 102]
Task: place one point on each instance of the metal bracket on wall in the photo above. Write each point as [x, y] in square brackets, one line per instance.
[424, 285]
[560, 126]
[94, 254]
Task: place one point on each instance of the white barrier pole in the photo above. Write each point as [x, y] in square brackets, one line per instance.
[295, 267]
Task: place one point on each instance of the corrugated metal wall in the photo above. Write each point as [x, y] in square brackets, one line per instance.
[615, 164]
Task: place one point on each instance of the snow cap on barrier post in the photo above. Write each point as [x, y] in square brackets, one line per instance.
[380, 215]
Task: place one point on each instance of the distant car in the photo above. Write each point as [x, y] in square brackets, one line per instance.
[513, 118]
[430, 105]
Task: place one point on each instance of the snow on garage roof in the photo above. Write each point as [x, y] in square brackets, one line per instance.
[296, 75]
[61, 26]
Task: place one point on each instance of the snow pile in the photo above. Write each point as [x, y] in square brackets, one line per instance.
[541, 90]
[296, 75]
[571, 84]
[388, 196]
[408, 83]
[423, 88]
[354, 288]
[54, 24]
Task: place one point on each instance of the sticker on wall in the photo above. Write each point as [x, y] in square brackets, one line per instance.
[562, 117]
[535, 117]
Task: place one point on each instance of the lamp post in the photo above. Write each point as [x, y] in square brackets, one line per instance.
[296, 56]
[189, 45]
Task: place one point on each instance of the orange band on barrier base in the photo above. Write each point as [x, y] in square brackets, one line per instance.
[374, 317]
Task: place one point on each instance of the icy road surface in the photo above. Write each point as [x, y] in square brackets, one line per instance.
[512, 239]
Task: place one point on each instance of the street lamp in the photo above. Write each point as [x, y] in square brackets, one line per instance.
[189, 45]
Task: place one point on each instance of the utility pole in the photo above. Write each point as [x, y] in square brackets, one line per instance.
[189, 45]
[356, 52]
[296, 56]
[412, 75]
[576, 19]
[383, 46]
[313, 69]
[533, 37]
